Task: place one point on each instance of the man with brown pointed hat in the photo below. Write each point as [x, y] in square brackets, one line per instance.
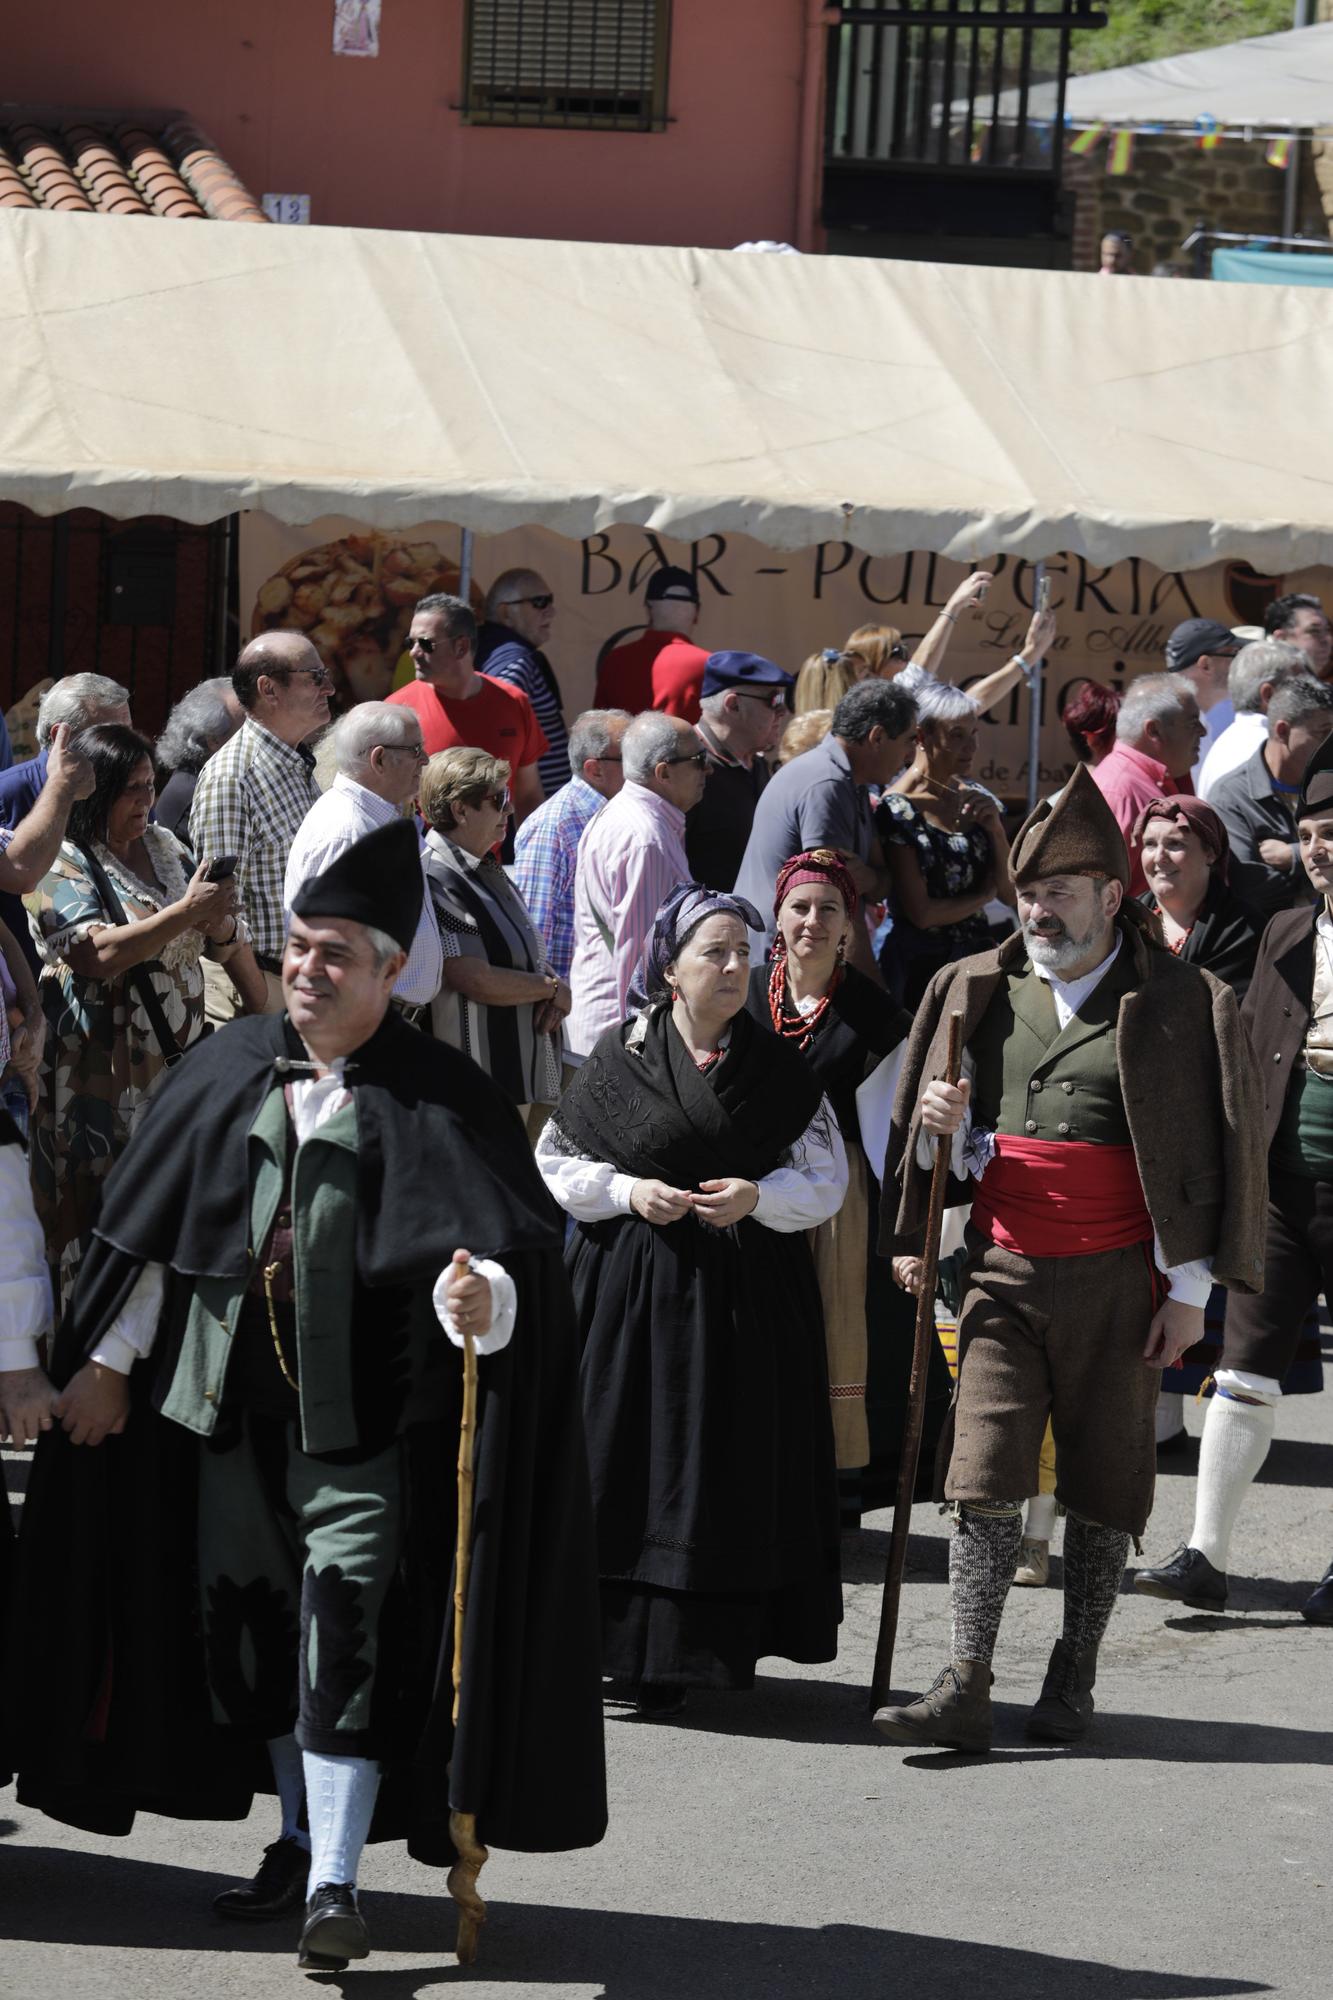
[1105, 1130]
[1289, 1015]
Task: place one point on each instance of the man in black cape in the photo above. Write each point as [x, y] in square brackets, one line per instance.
[261, 1552]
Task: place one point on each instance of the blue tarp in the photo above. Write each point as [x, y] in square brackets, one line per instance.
[1272, 267]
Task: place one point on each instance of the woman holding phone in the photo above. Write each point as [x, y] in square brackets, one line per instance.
[123, 920]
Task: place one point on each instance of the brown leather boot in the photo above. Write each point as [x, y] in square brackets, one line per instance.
[955, 1713]
[1063, 1712]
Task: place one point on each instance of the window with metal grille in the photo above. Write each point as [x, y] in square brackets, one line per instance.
[576, 63]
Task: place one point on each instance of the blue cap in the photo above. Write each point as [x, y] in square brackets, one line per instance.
[742, 670]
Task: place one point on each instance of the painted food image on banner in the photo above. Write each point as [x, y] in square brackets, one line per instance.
[354, 598]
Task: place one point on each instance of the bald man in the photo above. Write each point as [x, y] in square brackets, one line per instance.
[251, 798]
[520, 611]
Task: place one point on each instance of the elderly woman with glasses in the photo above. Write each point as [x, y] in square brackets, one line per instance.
[499, 1000]
[695, 1150]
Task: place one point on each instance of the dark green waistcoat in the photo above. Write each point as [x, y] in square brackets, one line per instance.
[1035, 1080]
[368, 1362]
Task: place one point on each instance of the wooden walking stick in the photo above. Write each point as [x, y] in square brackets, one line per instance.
[916, 1395]
[472, 1856]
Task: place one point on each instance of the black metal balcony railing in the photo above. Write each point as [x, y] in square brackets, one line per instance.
[952, 85]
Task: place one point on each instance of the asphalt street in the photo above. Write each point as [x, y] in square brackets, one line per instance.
[768, 1847]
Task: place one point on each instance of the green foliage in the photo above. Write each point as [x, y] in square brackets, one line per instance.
[1142, 30]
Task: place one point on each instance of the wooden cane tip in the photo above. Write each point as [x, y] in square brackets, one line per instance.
[469, 1936]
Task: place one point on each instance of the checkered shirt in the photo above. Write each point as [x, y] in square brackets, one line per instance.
[250, 800]
[545, 849]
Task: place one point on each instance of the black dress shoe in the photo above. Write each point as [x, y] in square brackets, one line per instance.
[1318, 1608]
[278, 1887]
[656, 1701]
[334, 1929]
[1189, 1578]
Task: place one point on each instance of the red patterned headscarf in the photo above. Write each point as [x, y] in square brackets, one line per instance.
[1199, 818]
[818, 864]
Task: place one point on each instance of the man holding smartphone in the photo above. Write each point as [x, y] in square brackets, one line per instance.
[251, 798]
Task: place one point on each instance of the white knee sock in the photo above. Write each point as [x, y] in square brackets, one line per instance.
[1040, 1525]
[1170, 1415]
[1236, 1437]
[340, 1798]
[289, 1775]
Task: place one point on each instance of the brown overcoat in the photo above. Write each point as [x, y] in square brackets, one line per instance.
[1192, 1098]
[1278, 1006]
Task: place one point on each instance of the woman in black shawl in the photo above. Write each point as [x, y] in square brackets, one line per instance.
[695, 1150]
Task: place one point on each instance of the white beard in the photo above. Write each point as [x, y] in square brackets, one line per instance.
[1053, 954]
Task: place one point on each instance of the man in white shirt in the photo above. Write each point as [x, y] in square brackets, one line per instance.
[1256, 670]
[378, 751]
[1115, 1164]
[630, 856]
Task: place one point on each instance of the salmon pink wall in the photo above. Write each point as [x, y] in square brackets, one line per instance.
[380, 143]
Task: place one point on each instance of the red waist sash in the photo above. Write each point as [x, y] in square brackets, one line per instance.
[1061, 1198]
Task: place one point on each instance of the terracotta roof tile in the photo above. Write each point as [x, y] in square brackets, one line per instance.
[117, 163]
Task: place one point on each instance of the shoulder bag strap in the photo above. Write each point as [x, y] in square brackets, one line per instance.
[137, 976]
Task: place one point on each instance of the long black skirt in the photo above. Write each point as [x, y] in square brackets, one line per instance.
[705, 1395]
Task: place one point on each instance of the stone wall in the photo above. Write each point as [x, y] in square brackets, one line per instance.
[1173, 188]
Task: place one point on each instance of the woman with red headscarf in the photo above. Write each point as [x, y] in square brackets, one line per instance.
[1186, 858]
[843, 1024]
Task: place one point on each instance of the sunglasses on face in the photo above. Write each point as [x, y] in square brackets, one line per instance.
[418, 643]
[499, 801]
[778, 698]
[699, 757]
[412, 750]
[543, 602]
[321, 676]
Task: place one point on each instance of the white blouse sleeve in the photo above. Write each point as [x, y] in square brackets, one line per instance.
[811, 1189]
[589, 1190]
[132, 1332]
[25, 1286]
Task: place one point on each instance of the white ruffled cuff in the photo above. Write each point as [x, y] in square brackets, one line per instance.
[504, 1306]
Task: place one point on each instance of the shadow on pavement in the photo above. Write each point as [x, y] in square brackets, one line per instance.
[865, 1553]
[1148, 1739]
[60, 1896]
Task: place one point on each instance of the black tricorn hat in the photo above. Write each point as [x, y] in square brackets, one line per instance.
[376, 881]
[1316, 795]
[1074, 834]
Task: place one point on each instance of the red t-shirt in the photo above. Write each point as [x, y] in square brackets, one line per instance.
[657, 670]
[498, 719]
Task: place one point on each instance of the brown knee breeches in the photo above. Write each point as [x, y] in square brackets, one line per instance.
[1061, 1337]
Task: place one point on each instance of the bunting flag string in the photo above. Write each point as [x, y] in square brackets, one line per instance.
[1086, 140]
[1120, 154]
[1279, 153]
[1209, 133]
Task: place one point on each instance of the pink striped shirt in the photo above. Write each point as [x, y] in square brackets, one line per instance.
[631, 855]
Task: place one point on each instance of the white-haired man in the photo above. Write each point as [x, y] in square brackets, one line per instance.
[378, 753]
[546, 845]
[1256, 670]
[520, 611]
[1157, 736]
[77, 702]
[631, 856]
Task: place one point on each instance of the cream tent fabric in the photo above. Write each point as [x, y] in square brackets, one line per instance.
[495, 383]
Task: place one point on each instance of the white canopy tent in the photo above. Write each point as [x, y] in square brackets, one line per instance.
[1267, 83]
[152, 368]
[1281, 83]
